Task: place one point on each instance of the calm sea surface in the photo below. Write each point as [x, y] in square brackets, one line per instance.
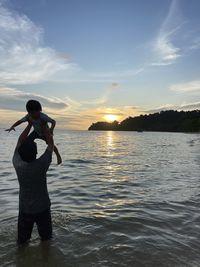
[119, 199]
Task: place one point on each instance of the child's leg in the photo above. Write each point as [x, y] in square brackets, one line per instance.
[59, 159]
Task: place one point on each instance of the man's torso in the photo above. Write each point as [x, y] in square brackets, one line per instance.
[33, 195]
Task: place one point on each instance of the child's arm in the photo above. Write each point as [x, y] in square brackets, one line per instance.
[24, 119]
[12, 128]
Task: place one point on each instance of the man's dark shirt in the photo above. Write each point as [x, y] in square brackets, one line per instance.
[33, 194]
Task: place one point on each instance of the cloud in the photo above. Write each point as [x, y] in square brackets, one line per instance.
[161, 108]
[190, 106]
[68, 112]
[174, 41]
[164, 47]
[24, 58]
[105, 96]
[12, 99]
[118, 74]
[179, 107]
[121, 111]
[195, 44]
[186, 86]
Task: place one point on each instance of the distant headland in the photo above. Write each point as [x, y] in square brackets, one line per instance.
[163, 121]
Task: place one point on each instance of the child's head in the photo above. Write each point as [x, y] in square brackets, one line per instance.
[34, 108]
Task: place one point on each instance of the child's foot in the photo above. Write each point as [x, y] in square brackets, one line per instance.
[59, 160]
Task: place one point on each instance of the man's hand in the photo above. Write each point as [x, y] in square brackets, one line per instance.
[10, 129]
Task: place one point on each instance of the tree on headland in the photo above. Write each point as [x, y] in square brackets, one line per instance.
[103, 125]
[170, 121]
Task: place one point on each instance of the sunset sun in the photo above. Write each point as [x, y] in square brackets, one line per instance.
[110, 117]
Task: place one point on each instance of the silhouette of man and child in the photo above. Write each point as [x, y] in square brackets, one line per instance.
[34, 202]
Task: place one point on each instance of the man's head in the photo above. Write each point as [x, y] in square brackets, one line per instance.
[28, 151]
[34, 108]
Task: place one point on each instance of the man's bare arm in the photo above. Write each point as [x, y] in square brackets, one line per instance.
[24, 134]
[12, 128]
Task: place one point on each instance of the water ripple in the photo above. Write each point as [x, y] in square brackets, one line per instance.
[118, 199]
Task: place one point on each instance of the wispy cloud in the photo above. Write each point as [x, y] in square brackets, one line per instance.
[112, 87]
[121, 111]
[165, 49]
[182, 106]
[13, 99]
[24, 58]
[68, 112]
[190, 106]
[186, 86]
[161, 108]
[195, 44]
[118, 74]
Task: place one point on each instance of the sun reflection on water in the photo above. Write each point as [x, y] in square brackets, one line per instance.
[110, 136]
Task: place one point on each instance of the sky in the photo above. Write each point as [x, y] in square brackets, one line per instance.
[84, 60]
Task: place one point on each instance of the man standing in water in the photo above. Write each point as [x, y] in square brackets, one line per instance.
[34, 202]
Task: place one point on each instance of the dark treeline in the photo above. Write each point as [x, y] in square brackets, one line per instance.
[166, 121]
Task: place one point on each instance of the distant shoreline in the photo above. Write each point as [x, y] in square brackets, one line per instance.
[163, 121]
[133, 131]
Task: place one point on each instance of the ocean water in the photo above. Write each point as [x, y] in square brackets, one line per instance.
[119, 199]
